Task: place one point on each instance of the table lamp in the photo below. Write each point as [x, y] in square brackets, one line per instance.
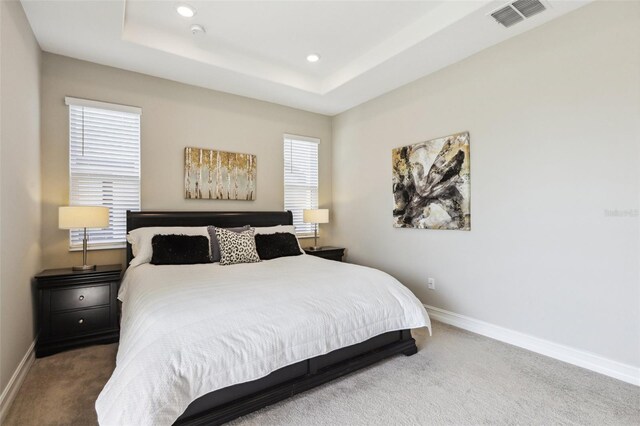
[74, 217]
[315, 216]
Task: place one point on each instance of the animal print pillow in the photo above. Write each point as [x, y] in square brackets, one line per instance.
[237, 247]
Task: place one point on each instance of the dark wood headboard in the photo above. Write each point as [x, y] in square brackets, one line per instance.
[223, 219]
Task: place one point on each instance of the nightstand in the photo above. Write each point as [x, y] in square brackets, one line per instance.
[331, 253]
[77, 308]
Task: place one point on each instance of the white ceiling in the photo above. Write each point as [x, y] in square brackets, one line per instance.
[258, 48]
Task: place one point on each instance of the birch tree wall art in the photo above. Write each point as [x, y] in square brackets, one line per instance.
[219, 175]
[431, 183]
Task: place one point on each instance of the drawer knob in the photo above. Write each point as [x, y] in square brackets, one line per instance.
[81, 321]
[81, 297]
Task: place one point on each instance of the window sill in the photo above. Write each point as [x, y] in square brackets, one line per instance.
[115, 246]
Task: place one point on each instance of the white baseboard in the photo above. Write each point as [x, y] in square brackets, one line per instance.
[11, 390]
[584, 359]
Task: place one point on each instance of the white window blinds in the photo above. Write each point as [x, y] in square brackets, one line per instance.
[300, 179]
[104, 166]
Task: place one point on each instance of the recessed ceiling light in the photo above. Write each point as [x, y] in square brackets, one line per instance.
[185, 11]
[314, 57]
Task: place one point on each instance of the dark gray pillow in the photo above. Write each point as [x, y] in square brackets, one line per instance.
[180, 249]
[215, 244]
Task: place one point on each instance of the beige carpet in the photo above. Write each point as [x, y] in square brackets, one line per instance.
[61, 389]
[457, 378]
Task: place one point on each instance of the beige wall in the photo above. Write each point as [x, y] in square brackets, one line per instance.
[554, 119]
[174, 116]
[20, 252]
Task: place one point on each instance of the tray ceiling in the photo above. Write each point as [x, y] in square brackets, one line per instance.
[258, 49]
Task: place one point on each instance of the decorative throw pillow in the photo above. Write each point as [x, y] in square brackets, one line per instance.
[215, 245]
[237, 247]
[140, 239]
[180, 249]
[281, 244]
[259, 230]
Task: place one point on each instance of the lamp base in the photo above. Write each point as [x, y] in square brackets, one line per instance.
[314, 248]
[84, 268]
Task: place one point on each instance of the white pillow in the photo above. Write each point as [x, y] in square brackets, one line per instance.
[140, 239]
[290, 229]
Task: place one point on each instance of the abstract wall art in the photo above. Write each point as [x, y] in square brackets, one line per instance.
[219, 175]
[431, 184]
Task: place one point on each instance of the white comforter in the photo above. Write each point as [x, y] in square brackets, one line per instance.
[189, 330]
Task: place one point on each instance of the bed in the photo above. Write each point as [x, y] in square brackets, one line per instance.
[204, 344]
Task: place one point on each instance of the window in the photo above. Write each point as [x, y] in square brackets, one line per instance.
[104, 166]
[300, 179]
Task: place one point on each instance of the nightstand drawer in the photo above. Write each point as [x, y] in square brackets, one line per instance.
[78, 298]
[79, 322]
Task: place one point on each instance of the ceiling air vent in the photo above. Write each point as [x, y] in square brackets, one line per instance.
[507, 16]
[528, 8]
[517, 11]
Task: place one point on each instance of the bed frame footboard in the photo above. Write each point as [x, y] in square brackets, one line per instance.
[229, 403]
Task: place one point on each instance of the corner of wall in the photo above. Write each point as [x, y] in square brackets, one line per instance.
[20, 194]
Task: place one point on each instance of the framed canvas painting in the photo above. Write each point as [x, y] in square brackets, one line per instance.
[431, 184]
[219, 175]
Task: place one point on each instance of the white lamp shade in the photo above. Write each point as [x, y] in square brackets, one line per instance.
[315, 216]
[72, 217]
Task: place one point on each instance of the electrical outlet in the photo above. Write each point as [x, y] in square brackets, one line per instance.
[431, 283]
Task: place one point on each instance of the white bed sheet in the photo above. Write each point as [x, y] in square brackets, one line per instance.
[188, 330]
